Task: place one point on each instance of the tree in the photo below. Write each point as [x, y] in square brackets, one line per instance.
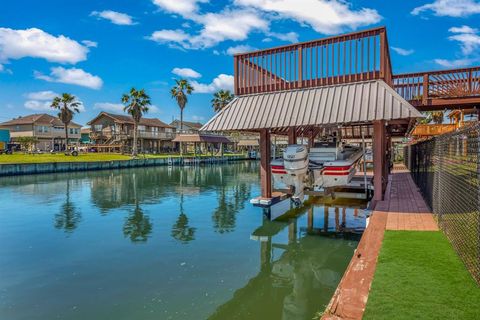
[68, 105]
[221, 99]
[136, 104]
[27, 142]
[437, 117]
[69, 216]
[179, 92]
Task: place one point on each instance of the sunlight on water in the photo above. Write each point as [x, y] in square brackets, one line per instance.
[165, 243]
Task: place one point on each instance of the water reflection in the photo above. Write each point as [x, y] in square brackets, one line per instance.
[181, 230]
[295, 275]
[69, 216]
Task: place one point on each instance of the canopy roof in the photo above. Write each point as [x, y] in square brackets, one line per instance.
[248, 143]
[342, 104]
[201, 138]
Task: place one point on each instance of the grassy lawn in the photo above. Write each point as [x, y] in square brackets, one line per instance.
[60, 157]
[419, 276]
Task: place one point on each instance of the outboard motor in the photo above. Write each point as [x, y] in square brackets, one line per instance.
[295, 161]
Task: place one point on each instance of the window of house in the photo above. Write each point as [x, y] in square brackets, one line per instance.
[141, 128]
[97, 127]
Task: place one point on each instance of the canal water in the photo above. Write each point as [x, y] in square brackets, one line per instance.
[165, 243]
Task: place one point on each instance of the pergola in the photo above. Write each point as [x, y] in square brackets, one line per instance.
[202, 139]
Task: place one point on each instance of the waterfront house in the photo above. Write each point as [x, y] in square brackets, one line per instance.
[4, 139]
[48, 130]
[188, 127]
[114, 132]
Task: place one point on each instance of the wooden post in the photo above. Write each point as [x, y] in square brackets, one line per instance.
[383, 54]
[265, 172]
[235, 75]
[292, 135]
[378, 158]
[300, 67]
[425, 89]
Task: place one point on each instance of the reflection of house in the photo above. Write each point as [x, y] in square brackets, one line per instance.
[114, 131]
[457, 120]
[48, 130]
[188, 127]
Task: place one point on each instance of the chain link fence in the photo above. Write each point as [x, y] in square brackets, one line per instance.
[447, 171]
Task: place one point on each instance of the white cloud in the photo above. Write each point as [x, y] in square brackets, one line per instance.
[5, 70]
[240, 49]
[71, 76]
[228, 24]
[114, 17]
[222, 81]
[324, 16]
[456, 63]
[42, 95]
[172, 37]
[42, 101]
[38, 105]
[186, 72]
[463, 29]
[197, 118]
[289, 36]
[181, 7]
[403, 52]
[467, 37]
[450, 8]
[109, 107]
[35, 43]
[90, 44]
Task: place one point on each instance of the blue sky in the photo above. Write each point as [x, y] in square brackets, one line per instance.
[98, 50]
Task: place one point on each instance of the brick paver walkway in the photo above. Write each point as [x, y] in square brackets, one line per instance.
[402, 209]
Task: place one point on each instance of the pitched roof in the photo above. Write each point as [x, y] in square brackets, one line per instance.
[201, 138]
[39, 118]
[151, 122]
[349, 103]
[196, 125]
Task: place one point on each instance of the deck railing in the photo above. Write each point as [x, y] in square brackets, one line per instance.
[421, 86]
[347, 58]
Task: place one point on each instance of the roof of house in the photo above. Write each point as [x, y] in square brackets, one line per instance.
[190, 124]
[41, 118]
[350, 103]
[122, 118]
[196, 137]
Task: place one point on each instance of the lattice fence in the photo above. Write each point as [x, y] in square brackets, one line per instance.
[447, 171]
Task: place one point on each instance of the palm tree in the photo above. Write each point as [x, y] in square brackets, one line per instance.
[179, 92]
[69, 216]
[221, 99]
[68, 105]
[136, 104]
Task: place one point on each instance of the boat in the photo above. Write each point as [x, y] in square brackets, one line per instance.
[326, 165]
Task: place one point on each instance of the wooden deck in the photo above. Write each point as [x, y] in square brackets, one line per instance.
[402, 209]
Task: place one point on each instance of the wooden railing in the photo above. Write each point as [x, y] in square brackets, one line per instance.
[456, 83]
[347, 58]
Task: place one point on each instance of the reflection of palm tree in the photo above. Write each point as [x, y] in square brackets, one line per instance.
[224, 217]
[181, 231]
[137, 225]
[68, 217]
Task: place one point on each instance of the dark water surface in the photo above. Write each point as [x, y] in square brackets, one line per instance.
[164, 243]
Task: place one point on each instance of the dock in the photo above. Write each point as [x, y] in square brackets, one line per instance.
[402, 209]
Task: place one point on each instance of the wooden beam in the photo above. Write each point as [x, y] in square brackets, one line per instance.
[378, 159]
[292, 135]
[265, 172]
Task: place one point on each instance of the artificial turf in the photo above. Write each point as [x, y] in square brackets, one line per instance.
[419, 276]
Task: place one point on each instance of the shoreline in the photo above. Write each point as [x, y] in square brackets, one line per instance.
[17, 169]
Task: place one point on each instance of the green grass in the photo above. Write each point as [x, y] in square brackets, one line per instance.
[60, 157]
[419, 276]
